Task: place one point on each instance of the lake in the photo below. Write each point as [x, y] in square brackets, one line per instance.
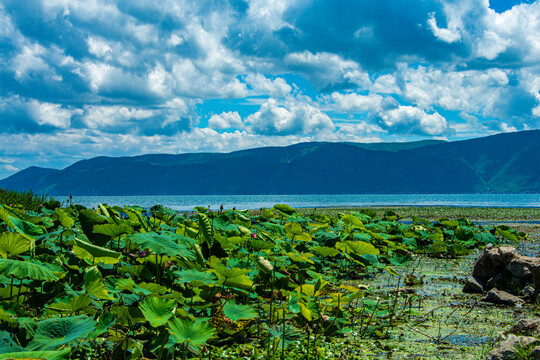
[188, 202]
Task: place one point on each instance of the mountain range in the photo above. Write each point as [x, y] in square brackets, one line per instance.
[503, 163]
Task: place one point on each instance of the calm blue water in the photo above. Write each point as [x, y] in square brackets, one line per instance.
[188, 202]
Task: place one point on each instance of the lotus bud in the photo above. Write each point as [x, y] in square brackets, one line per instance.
[141, 253]
[253, 236]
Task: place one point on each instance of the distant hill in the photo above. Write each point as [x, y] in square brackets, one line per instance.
[504, 163]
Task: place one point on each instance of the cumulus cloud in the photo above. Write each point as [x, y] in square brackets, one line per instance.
[412, 120]
[51, 114]
[262, 85]
[327, 70]
[226, 120]
[291, 118]
[357, 103]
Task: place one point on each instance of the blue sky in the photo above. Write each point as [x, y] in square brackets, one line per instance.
[83, 78]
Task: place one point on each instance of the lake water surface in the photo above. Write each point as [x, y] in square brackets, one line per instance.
[188, 202]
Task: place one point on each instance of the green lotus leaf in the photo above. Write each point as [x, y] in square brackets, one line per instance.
[54, 333]
[353, 221]
[264, 265]
[237, 312]
[28, 269]
[275, 228]
[486, 238]
[157, 310]
[185, 330]
[325, 251]
[23, 227]
[284, 208]
[438, 247]
[164, 243]
[93, 283]
[75, 304]
[45, 355]
[260, 245]
[205, 226]
[94, 254]
[224, 272]
[506, 234]
[105, 321]
[12, 243]
[195, 277]
[293, 228]
[7, 317]
[66, 220]
[7, 344]
[357, 247]
[113, 230]
[306, 313]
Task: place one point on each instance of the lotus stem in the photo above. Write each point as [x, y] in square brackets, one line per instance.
[283, 338]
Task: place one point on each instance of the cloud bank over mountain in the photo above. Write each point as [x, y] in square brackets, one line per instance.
[85, 78]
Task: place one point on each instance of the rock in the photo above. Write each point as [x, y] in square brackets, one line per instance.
[535, 269]
[473, 285]
[520, 267]
[527, 292]
[493, 261]
[494, 282]
[535, 353]
[507, 349]
[526, 327]
[501, 255]
[496, 296]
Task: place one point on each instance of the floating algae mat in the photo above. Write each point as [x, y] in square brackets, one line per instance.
[127, 282]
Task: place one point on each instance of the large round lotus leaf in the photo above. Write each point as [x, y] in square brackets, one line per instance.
[236, 312]
[12, 243]
[7, 344]
[157, 310]
[184, 330]
[284, 208]
[31, 269]
[195, 277]
[94, 254]
[164, 243]
[45, 355]
[53, 333]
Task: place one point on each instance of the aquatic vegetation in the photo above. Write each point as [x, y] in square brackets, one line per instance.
[126, 282]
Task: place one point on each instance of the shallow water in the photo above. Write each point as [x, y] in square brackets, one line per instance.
[188, 202]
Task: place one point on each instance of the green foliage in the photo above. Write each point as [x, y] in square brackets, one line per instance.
[55, 333]
[12, 244]
[131, 284]
[157, 310]
[237, 312]
[26, 199]
[186, 331]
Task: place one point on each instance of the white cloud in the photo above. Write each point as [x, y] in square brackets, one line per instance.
[269, 13]
[11, 168]
[454, 25]
[327, 69]
[98, 47]
[471, 91]
[276, 88]
[409, 119]
[51, 114]
[504, 127]
[30, 60]
[294, 117]
[357, 103]
[225, 120]
[96, 117]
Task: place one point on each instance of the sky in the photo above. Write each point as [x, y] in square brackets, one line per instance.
[85, 78]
